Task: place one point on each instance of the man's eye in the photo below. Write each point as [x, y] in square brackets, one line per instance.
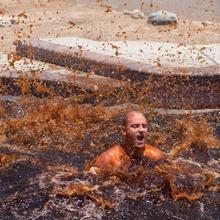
[134, 126]
[144, 126]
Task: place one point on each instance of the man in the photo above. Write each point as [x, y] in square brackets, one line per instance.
[133, 150]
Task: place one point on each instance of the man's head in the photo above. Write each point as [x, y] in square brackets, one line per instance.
[134, 129]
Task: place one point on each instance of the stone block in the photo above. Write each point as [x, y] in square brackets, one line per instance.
[162, 18]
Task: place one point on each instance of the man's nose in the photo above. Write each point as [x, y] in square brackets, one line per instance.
[141, 128]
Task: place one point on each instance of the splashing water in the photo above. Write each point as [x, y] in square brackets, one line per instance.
[46, 142]
[40, 150]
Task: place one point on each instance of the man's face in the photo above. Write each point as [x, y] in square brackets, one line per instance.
[136, 130]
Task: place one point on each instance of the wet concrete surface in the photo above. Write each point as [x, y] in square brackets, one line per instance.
[167, 87]
[167, 54]
[43, 80]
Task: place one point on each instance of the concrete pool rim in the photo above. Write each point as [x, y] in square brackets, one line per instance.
[190, 85]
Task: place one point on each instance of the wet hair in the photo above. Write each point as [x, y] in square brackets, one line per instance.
[125, 116]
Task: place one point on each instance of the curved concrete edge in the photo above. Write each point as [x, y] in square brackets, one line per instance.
[163, 117]
[76, 58]
[193, 88]
[57, 82]
[162, 111]
[12, 105]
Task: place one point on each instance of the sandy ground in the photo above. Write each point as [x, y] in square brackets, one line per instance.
[55, 18]
[200, 10]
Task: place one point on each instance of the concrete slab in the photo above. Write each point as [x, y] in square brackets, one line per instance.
[11, 62]
[173, 83]
[211, 51]
[153, 53]
[42, 79]
[14, 107]
[84, 54]
[212, 115]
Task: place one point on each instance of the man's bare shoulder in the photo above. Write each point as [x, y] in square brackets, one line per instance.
[153, 152]
[113, 157]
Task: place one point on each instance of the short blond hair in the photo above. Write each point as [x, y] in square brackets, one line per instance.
[127, 113]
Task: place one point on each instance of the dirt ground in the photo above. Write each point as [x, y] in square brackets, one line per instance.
[53, 18]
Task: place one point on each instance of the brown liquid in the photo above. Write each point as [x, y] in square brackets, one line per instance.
[45, 143]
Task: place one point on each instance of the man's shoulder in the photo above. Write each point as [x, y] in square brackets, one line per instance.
[115, 148]
[114, 156]
[112, 151]
[153, 152]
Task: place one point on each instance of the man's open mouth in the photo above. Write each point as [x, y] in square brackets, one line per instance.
[140, 137]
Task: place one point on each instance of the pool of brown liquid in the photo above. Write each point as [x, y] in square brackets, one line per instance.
[45, 144]
[47, 140]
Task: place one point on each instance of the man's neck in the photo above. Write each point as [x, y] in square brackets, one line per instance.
[133, 152]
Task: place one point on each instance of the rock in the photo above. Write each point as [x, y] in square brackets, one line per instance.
[162, 18]
[6, 21]
[126, 12]
[136, 14]
[206, 23]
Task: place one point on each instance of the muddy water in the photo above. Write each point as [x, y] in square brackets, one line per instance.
[42, 172]
[200, 10]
